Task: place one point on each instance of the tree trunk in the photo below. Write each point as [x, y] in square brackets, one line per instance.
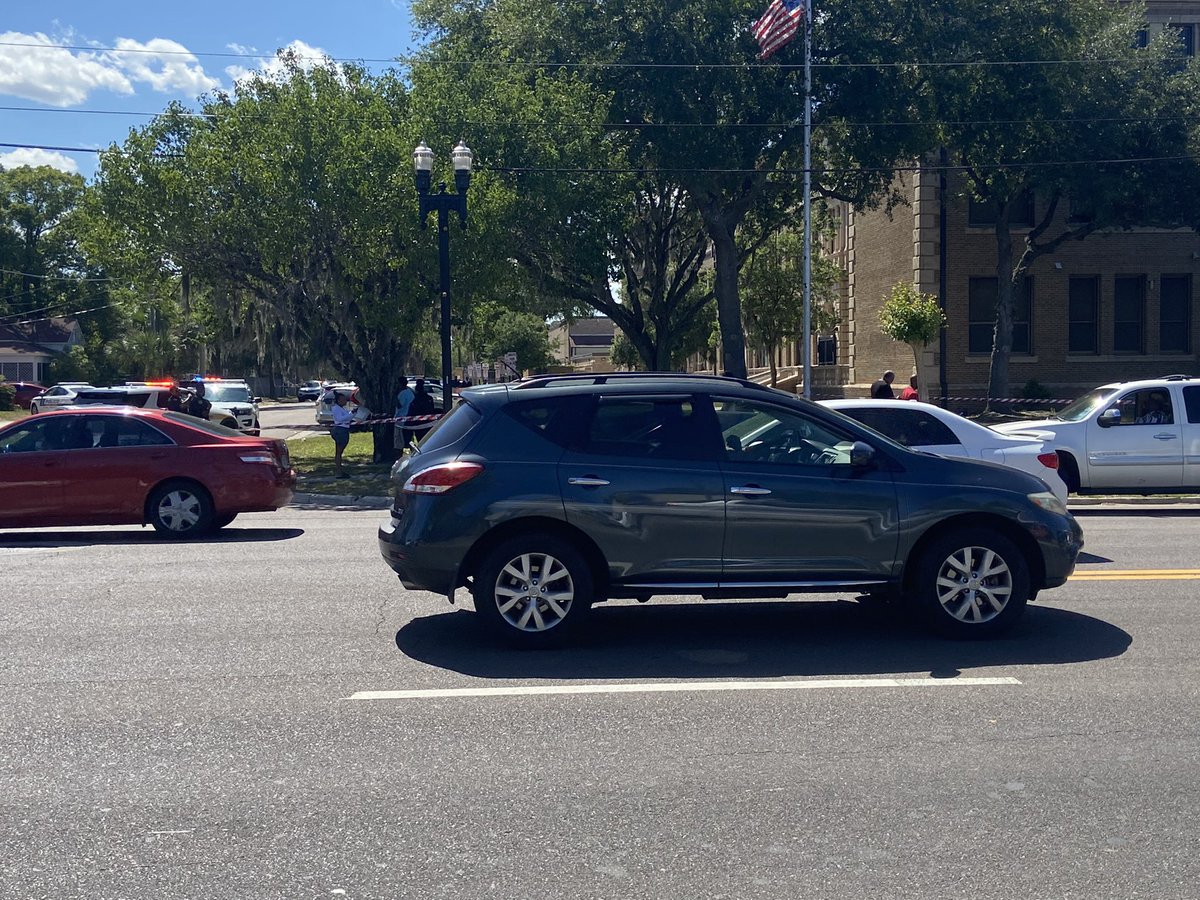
[1002, 337]
[774, 370]
[927, 374]
[729, 305]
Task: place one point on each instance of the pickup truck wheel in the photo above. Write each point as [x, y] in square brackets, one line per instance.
[179, 509]
[971, 583]
[533, 590]
[1068, 471]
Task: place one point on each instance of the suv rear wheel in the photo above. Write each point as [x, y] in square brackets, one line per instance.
[971, 583]
[533, 590]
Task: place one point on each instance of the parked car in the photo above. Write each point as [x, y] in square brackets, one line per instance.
[549, 495]
[309, 390]
[349, 390]
[233, 403]
[235, 414]
[923, 426]
[57, 396]
[99, 465]
[1132, 437]
[24, 392]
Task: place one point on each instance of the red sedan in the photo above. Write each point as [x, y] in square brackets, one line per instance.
[24, 392]
[124, 466]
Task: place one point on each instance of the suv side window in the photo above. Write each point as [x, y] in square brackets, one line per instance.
[757, 432]
[658, 427]
[910, 427]
[554, 418]
[1151, 406]
[1191, 399]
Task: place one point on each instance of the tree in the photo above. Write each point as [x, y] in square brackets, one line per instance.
[773, 295]
[497, 330]
[688, 103]
[915, 319]
[293, 196]
[38, 251]
[1044, 131]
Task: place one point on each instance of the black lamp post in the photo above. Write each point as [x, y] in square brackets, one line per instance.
[445, 203]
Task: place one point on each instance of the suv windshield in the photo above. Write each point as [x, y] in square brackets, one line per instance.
[1082, 407]
[227, 393]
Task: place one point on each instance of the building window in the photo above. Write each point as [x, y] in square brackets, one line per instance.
[1141, 39]
[827, 350]
[1083, 308]
[1175, 314]
[1129, 314]
[1186, 35]
[981, 316]
[1020, 212]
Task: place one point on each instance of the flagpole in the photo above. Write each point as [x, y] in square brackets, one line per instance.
[808, 5]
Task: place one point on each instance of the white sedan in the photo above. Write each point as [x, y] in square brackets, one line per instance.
[56, 397]
[932, 429]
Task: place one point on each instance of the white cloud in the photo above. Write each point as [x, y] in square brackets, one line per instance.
[49, 74]
[23, 157]
[166, 65]
[271, 67]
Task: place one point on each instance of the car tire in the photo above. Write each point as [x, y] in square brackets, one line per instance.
[33, 410]
[220, 521]
[1068, 471]
[180, 509]
[971, 583]
[533, 591]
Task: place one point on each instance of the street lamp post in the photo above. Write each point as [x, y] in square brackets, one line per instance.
[445, 203]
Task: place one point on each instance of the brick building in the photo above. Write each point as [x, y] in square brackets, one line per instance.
[1118, 305]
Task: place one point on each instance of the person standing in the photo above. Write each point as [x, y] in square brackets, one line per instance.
[404, 401]
[910, 392]
[174, 399]
[196, 404]
[882, 389]
[340, 430]
[422, 405]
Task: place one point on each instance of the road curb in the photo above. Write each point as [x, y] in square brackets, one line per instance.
[339, 501]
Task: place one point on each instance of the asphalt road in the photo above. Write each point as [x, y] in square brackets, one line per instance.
[176, 721]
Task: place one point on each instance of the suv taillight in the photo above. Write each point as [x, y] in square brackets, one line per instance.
[439, 479]
[1049, 460]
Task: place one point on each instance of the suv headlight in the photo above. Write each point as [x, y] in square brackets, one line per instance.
[1048, 502]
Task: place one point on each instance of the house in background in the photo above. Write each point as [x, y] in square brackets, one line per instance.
[583, 342]
[26, 350]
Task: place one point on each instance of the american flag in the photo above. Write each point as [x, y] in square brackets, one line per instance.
[778, 25]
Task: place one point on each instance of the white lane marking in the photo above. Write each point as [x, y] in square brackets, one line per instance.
[676, 687]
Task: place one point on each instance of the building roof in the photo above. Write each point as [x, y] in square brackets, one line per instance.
[598, 325]
[47, 331]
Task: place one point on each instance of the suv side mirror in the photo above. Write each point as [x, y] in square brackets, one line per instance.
[862, 455]
[1109, 417]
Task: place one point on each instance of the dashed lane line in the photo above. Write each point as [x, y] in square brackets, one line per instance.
[679, 687]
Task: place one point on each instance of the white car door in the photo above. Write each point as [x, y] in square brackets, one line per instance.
[1144, 449]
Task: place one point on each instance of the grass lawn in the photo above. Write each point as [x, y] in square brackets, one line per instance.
[312, 459]
[8, 415]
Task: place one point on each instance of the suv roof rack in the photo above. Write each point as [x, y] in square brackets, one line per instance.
[1176, 377]
[606, 377]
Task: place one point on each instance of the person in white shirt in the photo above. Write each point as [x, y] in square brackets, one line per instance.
[404, 401]
[340, 430]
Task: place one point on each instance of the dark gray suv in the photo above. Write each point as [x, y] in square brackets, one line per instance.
[549, 495]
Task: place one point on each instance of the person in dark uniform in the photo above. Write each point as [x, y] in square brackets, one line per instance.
[196, 405]
[882, 389]
[174, 399]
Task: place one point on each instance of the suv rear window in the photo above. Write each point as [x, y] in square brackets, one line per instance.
[451, 428]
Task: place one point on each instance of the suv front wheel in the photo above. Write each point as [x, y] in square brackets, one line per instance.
[971, 583]
[533, 590]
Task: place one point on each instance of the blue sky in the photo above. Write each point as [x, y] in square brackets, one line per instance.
[58, 85]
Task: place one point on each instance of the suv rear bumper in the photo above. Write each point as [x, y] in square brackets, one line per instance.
[419, 571]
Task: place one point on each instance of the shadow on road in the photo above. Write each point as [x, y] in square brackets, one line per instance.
[145, 536]
[761, 639]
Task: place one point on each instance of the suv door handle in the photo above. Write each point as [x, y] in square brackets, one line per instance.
[1165, 437]
[750, 490]
[587, 481]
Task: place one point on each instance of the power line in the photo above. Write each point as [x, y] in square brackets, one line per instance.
[553, 64]
[49, 277]
[681, 125]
